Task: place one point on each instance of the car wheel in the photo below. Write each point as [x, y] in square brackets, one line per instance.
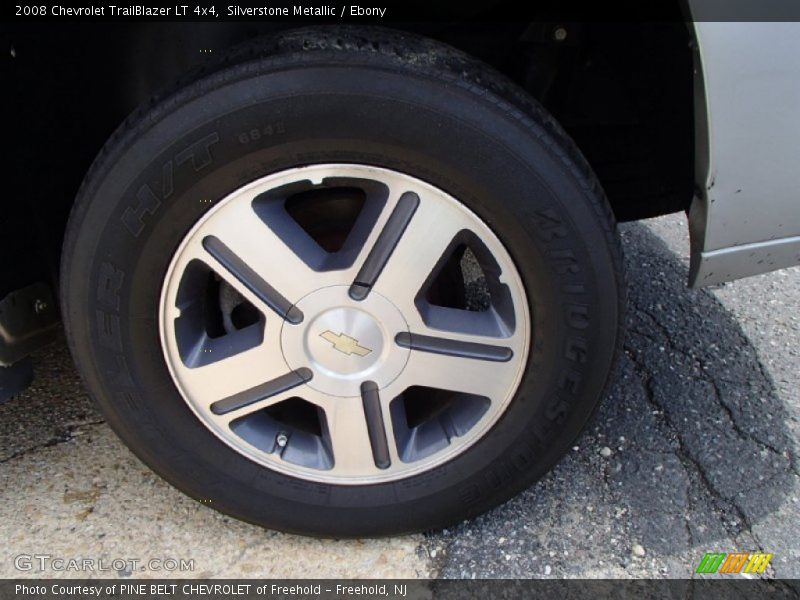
[344, 283]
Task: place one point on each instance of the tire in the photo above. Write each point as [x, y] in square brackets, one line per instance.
[365, 105]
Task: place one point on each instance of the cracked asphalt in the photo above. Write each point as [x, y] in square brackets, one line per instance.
[694, 450]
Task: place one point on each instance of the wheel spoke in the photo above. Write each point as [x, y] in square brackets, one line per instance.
[383, 247]
[376, 428]
[264, 391]
[470, 375]
[225, 420]
[256, 261]
[230, 376]
[451, 347]
[252, 280]
[415, 253]
[350, 437]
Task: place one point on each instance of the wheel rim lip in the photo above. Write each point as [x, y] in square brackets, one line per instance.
[477, 433]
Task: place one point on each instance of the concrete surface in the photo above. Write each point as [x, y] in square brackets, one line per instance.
[694, 450]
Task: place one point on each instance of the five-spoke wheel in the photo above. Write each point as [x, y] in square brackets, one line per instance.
[361, 359]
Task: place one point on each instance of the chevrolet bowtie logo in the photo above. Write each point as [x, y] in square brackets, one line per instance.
[344, 343]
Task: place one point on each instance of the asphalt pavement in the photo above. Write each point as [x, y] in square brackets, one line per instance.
[694, 450]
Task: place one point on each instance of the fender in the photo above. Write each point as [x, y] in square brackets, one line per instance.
[745, 217]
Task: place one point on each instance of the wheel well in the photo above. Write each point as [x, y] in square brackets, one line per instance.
[622, 91]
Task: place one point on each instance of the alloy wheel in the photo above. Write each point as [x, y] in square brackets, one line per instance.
[344, 323]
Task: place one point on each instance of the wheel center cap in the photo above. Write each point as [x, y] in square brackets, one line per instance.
[345, 342]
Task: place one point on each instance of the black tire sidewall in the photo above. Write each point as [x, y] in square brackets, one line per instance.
[502, 163]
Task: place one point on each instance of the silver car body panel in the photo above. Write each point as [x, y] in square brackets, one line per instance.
[745, 217]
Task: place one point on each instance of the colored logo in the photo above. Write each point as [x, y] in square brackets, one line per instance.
[344, 343]
[736, 562]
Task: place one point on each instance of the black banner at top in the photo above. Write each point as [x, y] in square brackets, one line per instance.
[386, 12]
